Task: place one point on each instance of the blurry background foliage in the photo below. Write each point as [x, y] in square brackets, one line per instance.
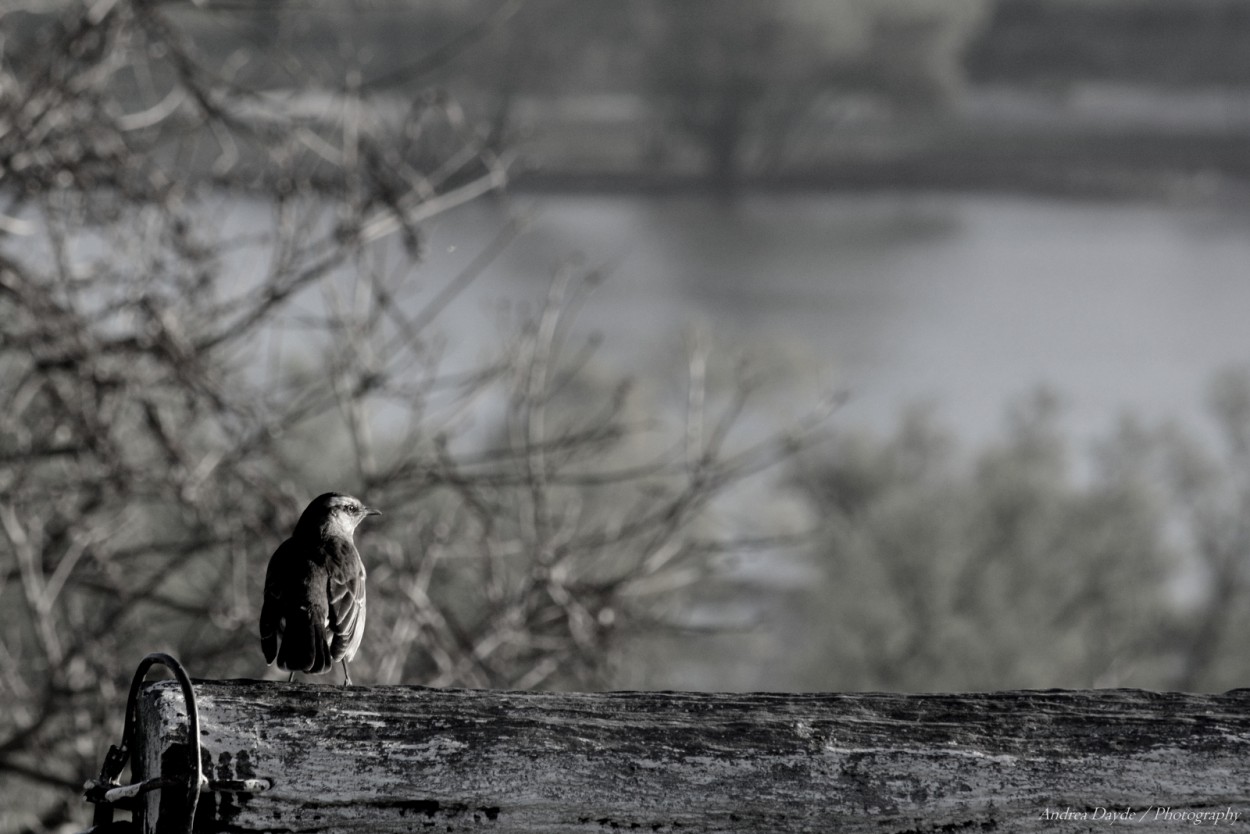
[178, 383]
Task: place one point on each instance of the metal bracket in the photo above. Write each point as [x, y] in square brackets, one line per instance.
[109, 794]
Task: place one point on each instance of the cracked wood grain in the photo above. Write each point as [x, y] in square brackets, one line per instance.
[392, 759]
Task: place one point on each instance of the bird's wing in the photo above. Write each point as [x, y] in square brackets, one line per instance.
[271, 606]
[346, 591]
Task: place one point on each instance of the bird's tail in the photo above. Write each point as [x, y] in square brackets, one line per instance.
[304, 645]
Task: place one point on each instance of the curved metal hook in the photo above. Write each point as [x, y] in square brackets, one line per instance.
[118, 756]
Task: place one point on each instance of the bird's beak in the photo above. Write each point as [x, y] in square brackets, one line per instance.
[371, 511]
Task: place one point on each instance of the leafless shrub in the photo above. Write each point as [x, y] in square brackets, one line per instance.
[176, 380]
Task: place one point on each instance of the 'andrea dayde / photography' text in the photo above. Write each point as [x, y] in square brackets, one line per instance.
[1148, 814]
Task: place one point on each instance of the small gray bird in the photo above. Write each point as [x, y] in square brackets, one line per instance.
[314, 608]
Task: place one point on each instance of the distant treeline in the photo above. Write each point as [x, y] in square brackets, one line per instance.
[719, 93]
[556, 46]
[1142, 41]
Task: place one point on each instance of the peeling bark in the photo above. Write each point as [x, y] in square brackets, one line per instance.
[390, 759]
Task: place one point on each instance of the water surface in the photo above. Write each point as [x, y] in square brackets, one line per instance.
[964, 302]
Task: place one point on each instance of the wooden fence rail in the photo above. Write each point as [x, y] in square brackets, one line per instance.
[391, 759]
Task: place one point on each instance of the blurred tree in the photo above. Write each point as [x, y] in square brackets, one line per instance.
[1010, 569]
[739, 78]
[213, 310]
[1006, 571]
[1205, 489]
[720, 70]
[550, 51]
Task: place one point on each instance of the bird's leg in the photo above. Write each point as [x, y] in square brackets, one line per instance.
[347, 679]
[292, 677]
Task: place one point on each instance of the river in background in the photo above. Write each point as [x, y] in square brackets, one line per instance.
[961, 302]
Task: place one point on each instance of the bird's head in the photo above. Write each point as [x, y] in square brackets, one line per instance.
[336, 512]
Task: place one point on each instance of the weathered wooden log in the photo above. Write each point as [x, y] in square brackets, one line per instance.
[390, 759]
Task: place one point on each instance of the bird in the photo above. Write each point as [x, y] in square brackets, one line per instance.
[313, 612]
